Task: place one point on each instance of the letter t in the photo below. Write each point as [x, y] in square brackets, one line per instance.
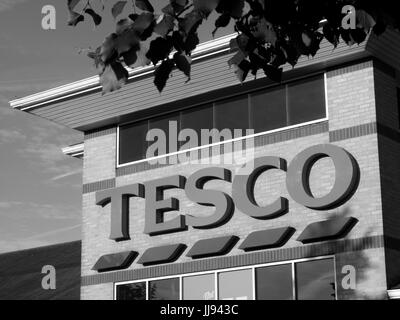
[119, 198]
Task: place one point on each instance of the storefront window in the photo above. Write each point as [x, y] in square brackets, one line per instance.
[164, 289]
[132, 142]
[268, 110]
[265, 110]
[274, 283]
[233, 114]
[201, 118]
[315, 280]
[132, 291]
[306, 100]
[236, 285]
[163, 123]
[199, 287]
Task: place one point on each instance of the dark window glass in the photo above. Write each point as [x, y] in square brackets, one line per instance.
[199, 287]
[132, 291]
[315, 280]
[268, 110]
[163, 123]
[235, 285]
[398, 104]
[232, 114]
[164, 289]
[198, 119]
[132, 142]
[274, 283]
[306, 100]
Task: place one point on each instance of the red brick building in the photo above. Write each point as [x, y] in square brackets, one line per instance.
[343, 100]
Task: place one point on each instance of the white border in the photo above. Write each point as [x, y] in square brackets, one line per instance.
[118, 165]
[216, 272]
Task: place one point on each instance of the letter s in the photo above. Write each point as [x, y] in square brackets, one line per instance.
[223, 203]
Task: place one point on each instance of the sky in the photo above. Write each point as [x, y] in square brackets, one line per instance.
[40, 188]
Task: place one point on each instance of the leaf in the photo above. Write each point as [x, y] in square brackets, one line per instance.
[345, 34]
[126, 41]
[273, 73]
[364, 20]
[263, 30]
[242, 70]
[144, 5]
[162, 74]
[75, 18]
[191, 42]
[139, 30]
[165, 26]
[232, 8]
[236, 59]
[97, 61]
[113, 77]
[168, 9]
[96, 18]
[160, 49]
[118, 8]
[358, 35]
[108, 50]
[222, 22]
[133, 16]
[178, 5]
[177, 40]
[205, 7]
[331, 34]
[72, 4]
[130, 57]
[306, 39]
[183, 63]
[123, 25]
[142, 60]
[143, 22]
[190, 22]
[242, 42]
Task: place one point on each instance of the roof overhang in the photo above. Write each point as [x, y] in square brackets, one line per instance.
[80, 106]
[75, 151]
[394, 294]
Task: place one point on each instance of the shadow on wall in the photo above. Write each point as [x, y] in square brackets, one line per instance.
[369, 276]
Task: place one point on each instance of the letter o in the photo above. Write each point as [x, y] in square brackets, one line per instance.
[346, 181]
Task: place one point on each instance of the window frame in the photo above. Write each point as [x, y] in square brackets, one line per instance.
[216, 272]
[324, 77]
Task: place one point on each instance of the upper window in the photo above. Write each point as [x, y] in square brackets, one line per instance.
[270, 109]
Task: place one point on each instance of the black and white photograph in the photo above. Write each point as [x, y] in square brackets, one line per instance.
[201, 154]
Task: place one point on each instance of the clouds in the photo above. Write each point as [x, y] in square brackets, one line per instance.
[41, 239]
[10, 136]
[30, 224]
[32, 210]
[9, 4]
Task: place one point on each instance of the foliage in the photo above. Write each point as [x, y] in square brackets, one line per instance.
[270, 33]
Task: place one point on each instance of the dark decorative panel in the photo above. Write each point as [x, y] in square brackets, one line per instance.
[117, 261]
[160, 255]
[327, 230]
[212, 247]
[267, 239]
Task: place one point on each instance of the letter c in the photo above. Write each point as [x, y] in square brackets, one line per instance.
[346, 181]
[243, 189]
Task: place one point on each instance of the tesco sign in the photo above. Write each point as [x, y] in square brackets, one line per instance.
[347, 175]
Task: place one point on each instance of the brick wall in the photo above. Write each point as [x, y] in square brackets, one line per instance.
[351, 102]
